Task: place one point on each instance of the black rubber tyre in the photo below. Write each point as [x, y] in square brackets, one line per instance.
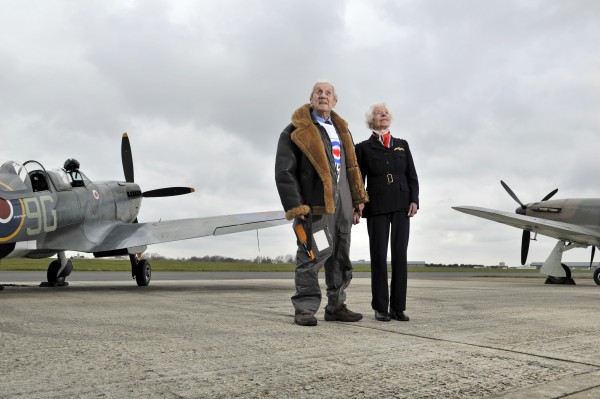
[597, 276]
[52, 274]
[143, 273]
[567, 270]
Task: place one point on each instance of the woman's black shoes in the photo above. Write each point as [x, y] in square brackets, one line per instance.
[382, 316]
[400, 316]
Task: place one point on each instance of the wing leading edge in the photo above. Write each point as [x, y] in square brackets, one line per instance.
[559, 230]
[139, 234]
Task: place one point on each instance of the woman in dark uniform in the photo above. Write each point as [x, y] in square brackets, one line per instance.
[387, 165]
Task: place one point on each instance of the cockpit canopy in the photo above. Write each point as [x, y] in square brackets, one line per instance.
[32, 176]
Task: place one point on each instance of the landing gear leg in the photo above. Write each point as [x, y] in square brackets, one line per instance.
[554, 267]
[58, 271]
[140, 270]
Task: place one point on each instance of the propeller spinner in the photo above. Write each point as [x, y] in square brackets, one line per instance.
[522, 211]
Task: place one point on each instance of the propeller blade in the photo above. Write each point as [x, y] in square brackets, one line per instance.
[167, 192]
[550, 194]
[513, 195]
[593, 253]
[525, 246]
[127, 158]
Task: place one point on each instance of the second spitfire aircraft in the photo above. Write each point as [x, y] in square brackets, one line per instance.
[44, 213]
[575, 223]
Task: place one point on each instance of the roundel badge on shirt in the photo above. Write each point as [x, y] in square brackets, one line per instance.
[337, 152]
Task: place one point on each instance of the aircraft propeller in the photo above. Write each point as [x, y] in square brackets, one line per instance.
[521, 211]
[167, 192]
[127, 160]
[593, 253]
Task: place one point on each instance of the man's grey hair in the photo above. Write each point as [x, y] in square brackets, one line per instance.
[321, 82]
[369, 116]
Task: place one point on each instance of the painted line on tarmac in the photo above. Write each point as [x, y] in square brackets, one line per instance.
[514, 351]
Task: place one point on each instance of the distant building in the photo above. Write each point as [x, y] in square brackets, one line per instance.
[416, 263]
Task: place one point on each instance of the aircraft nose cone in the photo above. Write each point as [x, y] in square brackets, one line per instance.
[520, 211]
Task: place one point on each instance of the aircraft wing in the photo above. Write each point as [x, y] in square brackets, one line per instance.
[138, 234]
[559, 230]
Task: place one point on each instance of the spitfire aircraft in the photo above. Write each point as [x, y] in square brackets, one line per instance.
[44, 213]
[575, 223]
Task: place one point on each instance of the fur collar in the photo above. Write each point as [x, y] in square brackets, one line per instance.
[308, 139]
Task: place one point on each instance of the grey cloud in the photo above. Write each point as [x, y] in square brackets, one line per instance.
[482, 91]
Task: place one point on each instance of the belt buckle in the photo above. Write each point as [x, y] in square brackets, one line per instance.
[390, 178]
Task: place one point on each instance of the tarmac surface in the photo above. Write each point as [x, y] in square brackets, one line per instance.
[468, 337]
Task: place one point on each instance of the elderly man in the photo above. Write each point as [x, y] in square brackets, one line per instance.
[321, 188]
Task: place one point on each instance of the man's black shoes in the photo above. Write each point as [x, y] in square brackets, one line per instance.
[342, 314]
[305, 319]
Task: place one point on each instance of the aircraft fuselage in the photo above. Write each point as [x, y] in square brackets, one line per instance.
[579, 211]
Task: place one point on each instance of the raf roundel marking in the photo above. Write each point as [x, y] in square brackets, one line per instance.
[95, 193]
[11, 216]
[6, 211]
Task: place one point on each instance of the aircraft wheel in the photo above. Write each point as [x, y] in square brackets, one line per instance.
[143, 273]
[597, 276]
[567, 280]
[567, 270]
[52, 274]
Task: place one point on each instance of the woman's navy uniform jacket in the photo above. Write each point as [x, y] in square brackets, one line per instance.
[392, 182]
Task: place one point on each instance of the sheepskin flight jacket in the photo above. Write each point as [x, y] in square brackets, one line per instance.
[304, 170]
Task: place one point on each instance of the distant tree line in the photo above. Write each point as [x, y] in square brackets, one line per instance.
[282, 259]
[452, 265]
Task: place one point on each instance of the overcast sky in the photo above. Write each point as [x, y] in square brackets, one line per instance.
[482, 91]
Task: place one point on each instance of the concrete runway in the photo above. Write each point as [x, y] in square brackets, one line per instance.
[468, 337]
